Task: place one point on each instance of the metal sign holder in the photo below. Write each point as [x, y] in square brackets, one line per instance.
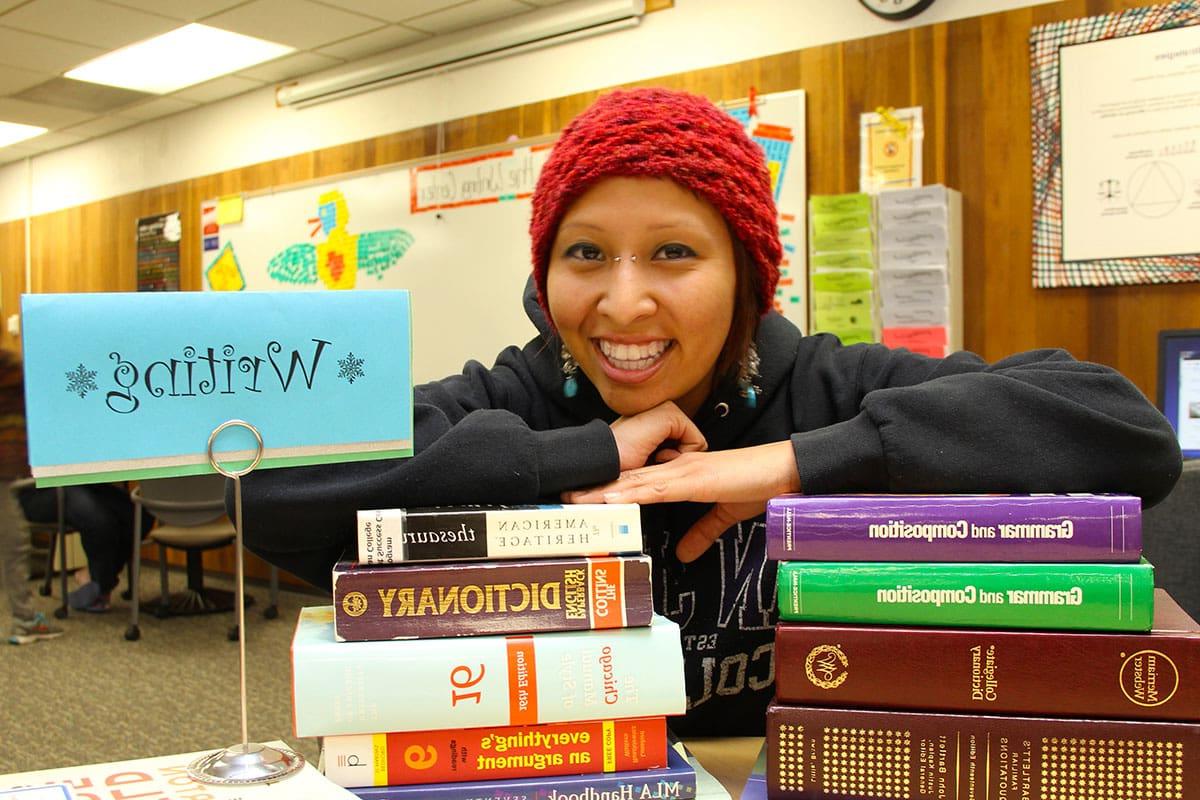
[247, 763]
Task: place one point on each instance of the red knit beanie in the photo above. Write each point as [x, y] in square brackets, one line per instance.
[662, 133]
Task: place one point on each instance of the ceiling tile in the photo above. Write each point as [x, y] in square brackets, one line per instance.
[302, 24]
[51, 141]
[95, 98]
[282, 69]
[219, 89]
[467, 15]
[377, 41]
[13, 110]
[101, 126]
[392, 10]
[184, 10]
[14, 79]
[87, 22]
[31, 51]
[159, 107]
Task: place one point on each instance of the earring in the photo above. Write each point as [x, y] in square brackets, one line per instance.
[569, 367]
[747, 372]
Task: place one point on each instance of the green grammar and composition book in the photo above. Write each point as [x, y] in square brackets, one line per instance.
[1117, 597]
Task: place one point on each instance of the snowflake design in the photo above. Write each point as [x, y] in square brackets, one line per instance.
[81, 380]
[351, 368]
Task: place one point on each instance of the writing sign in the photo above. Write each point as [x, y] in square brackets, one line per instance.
[122, 386]
[489, 178]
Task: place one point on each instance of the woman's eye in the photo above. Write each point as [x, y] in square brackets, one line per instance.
[585, 252]
[675, 252]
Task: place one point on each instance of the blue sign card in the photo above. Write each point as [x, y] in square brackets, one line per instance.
[126, 386]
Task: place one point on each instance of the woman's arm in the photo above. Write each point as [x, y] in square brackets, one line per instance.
[899, 422]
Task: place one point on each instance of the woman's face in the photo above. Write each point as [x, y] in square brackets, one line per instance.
[641, 288]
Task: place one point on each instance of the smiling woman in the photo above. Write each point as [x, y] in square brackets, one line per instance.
[662, 376]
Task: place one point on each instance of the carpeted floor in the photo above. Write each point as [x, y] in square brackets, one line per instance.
[91, 696]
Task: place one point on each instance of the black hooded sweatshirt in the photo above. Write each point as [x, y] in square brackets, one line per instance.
[861, 418]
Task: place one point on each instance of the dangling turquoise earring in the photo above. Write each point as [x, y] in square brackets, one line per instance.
[747, 372]
[569, 368]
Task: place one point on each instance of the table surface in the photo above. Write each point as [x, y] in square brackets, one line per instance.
[728, 758]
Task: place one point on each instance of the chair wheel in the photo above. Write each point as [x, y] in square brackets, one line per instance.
[271, 612]
[44, 591]
[60, 612]
[133, 633]
[233, 634]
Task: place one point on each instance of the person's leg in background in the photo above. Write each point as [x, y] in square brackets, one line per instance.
[28, 625]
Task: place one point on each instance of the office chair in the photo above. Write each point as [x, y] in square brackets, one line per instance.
[190, 516]
[56, 531]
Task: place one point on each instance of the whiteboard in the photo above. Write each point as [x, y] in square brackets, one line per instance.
[454, 231]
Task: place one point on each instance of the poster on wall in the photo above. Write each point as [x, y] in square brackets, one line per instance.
[890, 142]
[1116, 129]
[453, 230]
[158, 253]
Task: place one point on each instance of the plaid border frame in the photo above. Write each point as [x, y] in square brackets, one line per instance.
[1049, 270]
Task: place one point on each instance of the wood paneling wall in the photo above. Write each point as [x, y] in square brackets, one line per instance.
[970, 76]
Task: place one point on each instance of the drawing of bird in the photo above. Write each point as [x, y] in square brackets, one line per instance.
[337, 260]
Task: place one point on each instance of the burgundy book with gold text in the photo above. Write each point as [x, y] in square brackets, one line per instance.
[826, 753]
[375, 602]
[978, 671]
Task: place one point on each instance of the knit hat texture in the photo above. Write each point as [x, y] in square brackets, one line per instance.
[669, 134]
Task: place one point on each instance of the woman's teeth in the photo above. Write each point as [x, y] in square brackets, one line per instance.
[633, 356]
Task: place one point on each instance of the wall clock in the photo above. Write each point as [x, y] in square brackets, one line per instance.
[896, 9]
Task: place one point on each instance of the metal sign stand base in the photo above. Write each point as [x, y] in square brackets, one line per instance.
[247, 763]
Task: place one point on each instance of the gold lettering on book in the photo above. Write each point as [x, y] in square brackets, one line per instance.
[574, 590]
[983, 673]
[826, 666]
[489, 598]
[1148, 678]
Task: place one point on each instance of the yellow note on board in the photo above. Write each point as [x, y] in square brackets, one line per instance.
[229, 209]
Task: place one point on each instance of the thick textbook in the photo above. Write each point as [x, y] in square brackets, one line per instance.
[819, 753]
[955, 527]
[457, 533]
[1118, 597]
[1045, 673]
[677, 781]
[474, 754]
[481, 681]
[404, 601]
[165, 777]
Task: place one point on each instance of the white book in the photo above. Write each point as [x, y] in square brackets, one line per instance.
[481, 681]
[471, 533]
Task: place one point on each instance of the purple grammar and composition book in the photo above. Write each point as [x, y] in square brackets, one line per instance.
[1049, 528]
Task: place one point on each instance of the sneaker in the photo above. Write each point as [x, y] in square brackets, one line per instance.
[31, 630]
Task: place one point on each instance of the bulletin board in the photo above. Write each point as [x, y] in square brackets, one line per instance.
[453, 230]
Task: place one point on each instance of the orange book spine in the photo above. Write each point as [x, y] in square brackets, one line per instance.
[450, 756]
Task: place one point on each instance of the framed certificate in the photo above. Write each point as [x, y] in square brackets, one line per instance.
[1116, 148]
[1179, 385]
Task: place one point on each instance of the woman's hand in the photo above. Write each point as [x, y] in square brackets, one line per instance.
[738, 483]
[664, 432]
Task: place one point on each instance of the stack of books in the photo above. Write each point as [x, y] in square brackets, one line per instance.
[1005, 646]
[492, 652]
[842, 261]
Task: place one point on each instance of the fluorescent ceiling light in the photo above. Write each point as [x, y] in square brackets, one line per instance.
[182, 57]
[13, 132]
